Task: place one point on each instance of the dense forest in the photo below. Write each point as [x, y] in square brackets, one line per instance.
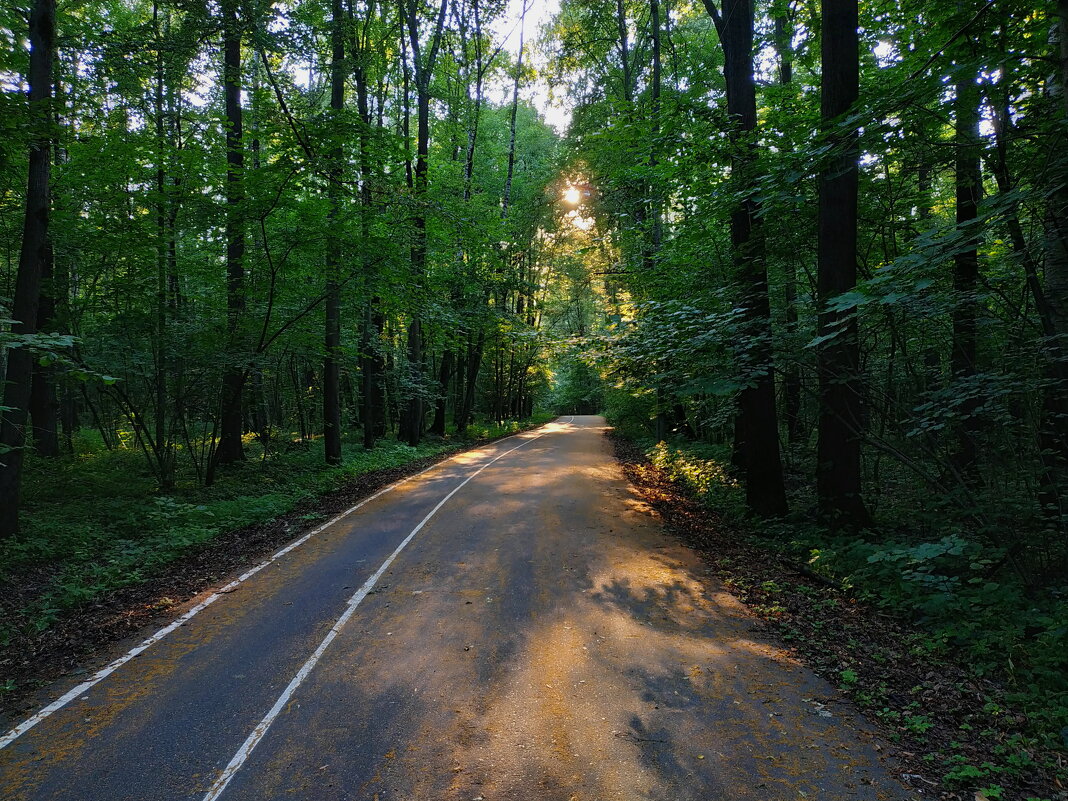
[815, 254]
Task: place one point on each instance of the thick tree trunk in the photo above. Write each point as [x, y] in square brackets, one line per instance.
[1053, 433]
[838, 456]
[230, 448]
[791, 379]
[966, 269]
[756, 430]
[332, 343]
[33, 257]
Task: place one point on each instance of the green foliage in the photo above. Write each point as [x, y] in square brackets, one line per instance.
[958, 588]
[704, 469]
[492, 430]
[98, 522]
[577, 388]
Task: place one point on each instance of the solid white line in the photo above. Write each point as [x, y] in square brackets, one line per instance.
[261, 728]
[102, 674]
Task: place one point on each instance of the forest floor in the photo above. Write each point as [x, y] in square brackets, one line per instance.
[958, 737]
[56, 611]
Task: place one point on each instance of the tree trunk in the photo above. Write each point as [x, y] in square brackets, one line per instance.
[44, 403]
[33, 257]
[230, 448]
[474, 363]
[441, 408]
[332, 343]
[838, 456]
[966, 268]
[164, 347]
[791, 380]
[622, 29]
[372, 390]
[756, 430]
[412, 418]
[1053, 433]
[507, 200]
[655, 201]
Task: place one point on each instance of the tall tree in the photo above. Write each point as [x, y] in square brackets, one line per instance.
[756, 425]
[34, 257]
[792, 387]
[372, 367]
[423, 69]
[969, 184]
[506, 201]
[332, 354]
[838, 454]
[1053, 430]
[230, 448]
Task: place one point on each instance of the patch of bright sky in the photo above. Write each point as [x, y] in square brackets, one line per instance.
[539, 13]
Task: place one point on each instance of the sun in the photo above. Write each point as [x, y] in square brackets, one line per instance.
[572, 195]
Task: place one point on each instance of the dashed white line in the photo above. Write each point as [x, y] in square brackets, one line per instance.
[261, 728]
[103, 673]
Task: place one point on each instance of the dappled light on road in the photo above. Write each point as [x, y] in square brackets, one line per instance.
[541, 639]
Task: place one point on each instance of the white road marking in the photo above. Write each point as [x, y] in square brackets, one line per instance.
[102, 674]
[261, 728]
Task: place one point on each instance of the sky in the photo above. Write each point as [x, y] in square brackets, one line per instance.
[539, 12]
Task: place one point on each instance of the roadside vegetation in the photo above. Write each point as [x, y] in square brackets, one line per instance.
[967, 679]
[98, 522]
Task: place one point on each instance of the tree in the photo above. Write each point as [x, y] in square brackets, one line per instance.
[231, 426]
[969, 186]
[756, 426]
[838, 457]
[332, 344]
[34, 258]
[423, 67]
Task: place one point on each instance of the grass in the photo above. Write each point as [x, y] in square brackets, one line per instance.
[97, 521]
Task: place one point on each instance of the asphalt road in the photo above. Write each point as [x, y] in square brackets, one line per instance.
[539, 637]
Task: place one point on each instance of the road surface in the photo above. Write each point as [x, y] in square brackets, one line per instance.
[535, 636]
